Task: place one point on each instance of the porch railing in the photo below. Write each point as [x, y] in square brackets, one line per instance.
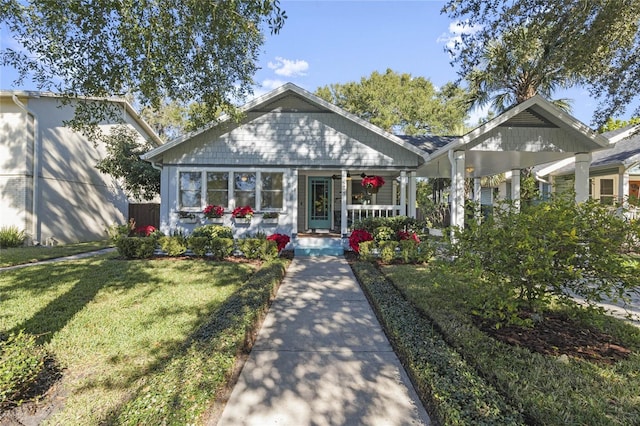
[357, 212]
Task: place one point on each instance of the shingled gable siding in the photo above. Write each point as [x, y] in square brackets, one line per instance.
[527, 139]
[292, 139]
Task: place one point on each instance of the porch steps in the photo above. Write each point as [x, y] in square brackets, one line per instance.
[310, 246]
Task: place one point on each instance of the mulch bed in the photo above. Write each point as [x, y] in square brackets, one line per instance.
[558, 335]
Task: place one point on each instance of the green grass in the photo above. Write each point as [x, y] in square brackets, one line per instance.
[21, 255]
[547, 389]
[141, 342]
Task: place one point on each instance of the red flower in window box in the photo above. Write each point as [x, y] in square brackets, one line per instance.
[281, 240]
[372, 183]
[244, 212]
[213, 211]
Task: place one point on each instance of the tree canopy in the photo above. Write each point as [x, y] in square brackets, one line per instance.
[400, 103]
[596, 40]
[176, 50]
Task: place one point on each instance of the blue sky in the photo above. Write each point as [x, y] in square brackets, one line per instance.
[337, 41]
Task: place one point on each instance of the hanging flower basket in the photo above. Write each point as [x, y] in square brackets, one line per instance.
[372, 183]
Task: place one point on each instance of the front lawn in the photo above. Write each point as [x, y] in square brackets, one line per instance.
[21, 255]
[138, 342]
[545, 388]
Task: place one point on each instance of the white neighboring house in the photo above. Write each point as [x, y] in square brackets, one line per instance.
[49, 185]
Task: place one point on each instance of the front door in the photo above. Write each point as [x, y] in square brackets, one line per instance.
[319, 202]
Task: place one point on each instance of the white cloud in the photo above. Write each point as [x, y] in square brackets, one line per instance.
[288, 67]
[456, 30]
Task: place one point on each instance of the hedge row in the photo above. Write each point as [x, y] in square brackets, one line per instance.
[450, 388]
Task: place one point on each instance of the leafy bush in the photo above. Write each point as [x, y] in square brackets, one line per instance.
[387, 251]
[11, 236]
[221, 248]
[384, 233]
[281, 240]
[409, 252]
[258, 248]
[174, 245]
[21, 360]
[136, 247]
[213, 231]
[551, 250]
[198, 245]
[117, 231]
[358, 236]
[396, 223]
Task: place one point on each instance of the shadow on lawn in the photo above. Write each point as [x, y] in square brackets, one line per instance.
[88, 278]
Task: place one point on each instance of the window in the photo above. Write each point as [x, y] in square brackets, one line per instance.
[272, 191]
[606, 191]
[260, 190]
[244, 188]
[190, 190]
[218, 189]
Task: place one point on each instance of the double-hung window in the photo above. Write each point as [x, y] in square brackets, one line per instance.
[229, 189]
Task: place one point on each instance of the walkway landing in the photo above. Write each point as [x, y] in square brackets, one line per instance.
[321, 358]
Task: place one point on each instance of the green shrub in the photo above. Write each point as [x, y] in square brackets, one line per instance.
[21, 360]
[174, 245]
[11, 236]
[367, 251]
[258, 248]
[409, 252]
[384, 233]
[550, 250]
[117, 231]
[213, 231]
[396, 223]
[387, 251]
[221, 248]
[198, 245]
[136, 247]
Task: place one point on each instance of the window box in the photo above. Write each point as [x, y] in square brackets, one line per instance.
[242, 221]
[270, 221]
[215, 220]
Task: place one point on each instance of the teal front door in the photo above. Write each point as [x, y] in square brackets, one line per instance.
[319, 202]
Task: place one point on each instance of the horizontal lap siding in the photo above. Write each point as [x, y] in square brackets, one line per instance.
[293, 139]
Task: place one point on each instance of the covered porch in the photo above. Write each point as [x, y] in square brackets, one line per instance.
[332, 200]
[532, 133]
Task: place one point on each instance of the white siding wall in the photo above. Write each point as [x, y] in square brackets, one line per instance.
[527, 139]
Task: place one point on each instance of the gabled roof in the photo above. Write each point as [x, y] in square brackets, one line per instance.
[428, 143]
[487, 159]
[306, 102]
[154, 138]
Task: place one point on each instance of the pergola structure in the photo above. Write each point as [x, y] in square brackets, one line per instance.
[531, 133]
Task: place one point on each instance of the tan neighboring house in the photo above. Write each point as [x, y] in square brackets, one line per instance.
[49, 185]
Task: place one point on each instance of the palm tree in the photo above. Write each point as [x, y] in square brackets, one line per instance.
[515, 68]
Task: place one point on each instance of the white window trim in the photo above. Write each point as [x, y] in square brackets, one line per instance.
[232, 171]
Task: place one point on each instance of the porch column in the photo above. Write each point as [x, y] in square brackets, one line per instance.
[477, 197]
[457, 188]
[343, 205]
[623, 187]
[403, 193]
[581, 184]
[412, 195]
[515, 188]
[295, 193]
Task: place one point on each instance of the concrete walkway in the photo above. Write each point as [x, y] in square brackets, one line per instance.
[321, 358]
[61, 259]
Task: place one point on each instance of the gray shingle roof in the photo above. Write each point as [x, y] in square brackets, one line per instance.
[427, 143]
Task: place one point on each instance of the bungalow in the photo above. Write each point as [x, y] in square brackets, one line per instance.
[305, 159]
[49, 185]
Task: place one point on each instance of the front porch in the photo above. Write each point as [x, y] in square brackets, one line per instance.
[333, 200]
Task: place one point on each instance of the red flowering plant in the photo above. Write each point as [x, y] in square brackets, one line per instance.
[281, 240]
[358, 236]
[213, 211]
[372, 182]
[404, 235]
[145, 231]
[242, 212]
